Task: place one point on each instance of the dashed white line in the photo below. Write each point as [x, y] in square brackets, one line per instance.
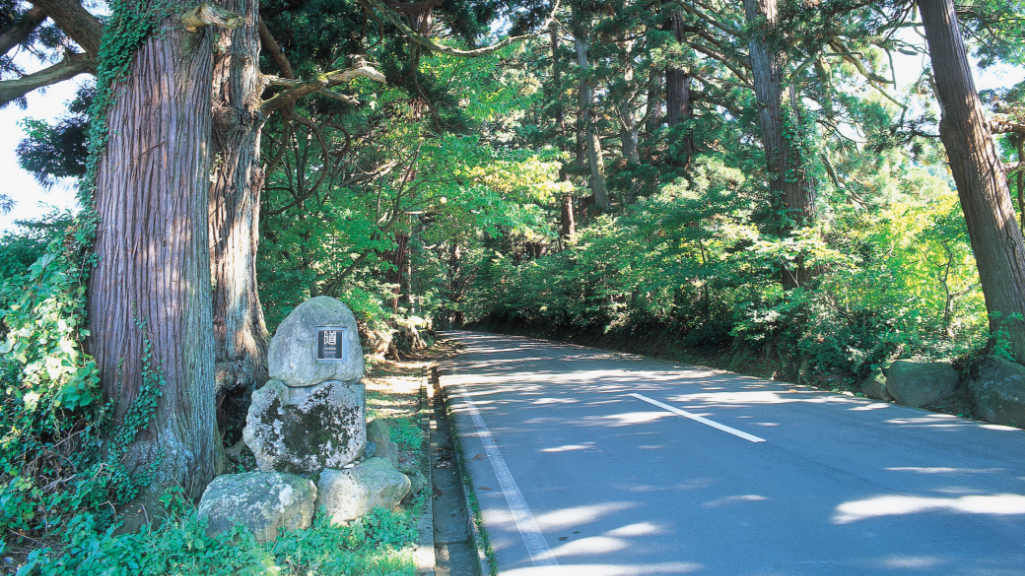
[533, 539]
[696, 418]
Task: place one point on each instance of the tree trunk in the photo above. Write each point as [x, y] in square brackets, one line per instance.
[455, 287]
[678, 103]
[654, 102]
[790, 194]
[567, 224]
[240, 334]
[398, 262]
[981, 183]
[593, 143]
[152, 197]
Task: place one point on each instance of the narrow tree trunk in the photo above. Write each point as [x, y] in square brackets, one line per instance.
[568, 221]
[239, 330]
[398, 262]
[978, 172]
[153, 267]
[654, 102]
[455, 286]
[593, 143]
[787, 186]
[678, 103]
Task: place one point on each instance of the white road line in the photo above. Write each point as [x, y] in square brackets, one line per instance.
[705, 421]
[533, 539]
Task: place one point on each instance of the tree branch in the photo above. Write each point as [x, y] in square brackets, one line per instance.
[81, 26]
[22, 29]
[427, 43]
[322, 82]
[413, 8]
[1014, 168]
[72, 65]
[274, 49]
[997, 126]
[291, 83]
[207, 14]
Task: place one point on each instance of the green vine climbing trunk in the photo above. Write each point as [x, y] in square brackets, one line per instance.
[240, 334]
[152, 277]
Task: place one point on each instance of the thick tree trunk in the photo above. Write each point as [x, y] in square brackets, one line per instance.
[592, 142]
[678, 102]
[787, 185]
[568, 228]
[240, 332]
[154, 260]
[978, 172]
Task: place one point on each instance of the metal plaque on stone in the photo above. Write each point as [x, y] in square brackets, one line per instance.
[331, 343]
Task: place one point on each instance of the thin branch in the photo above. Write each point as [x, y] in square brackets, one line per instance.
[274, 49]
[430, 45]
[322, 82]
[22, 29]
[278, 81]
[72, 65]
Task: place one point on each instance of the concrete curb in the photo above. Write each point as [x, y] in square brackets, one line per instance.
[425, 558]
[480, 542]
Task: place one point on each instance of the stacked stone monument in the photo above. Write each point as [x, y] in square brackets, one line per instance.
[309, 419]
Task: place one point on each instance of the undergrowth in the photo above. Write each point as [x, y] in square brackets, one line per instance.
[377, 544]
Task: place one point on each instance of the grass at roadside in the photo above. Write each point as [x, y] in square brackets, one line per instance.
[382, 543]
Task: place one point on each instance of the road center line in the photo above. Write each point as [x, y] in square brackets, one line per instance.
[533, 539]
[696, 418]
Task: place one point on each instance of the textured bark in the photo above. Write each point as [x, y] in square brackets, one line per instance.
[978, 172]
[787, 185]
[21, 30]
[153, 259]
[591, 140]
[81, 26]
[240, 332]
[678, 102]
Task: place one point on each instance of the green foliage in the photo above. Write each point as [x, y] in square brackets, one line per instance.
[377, 544]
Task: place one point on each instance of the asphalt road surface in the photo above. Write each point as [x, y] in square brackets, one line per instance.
[595, 463]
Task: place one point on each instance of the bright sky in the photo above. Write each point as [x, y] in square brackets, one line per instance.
[33, 200]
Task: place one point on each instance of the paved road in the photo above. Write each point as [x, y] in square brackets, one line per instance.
[577, 476]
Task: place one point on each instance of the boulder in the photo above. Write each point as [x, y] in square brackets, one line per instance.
[350, 494]
[875, 386]
[379, 433]
[292, 356]
[998, 388]
[918, 384]
[417, 483]
[261, 501]
[304, 430]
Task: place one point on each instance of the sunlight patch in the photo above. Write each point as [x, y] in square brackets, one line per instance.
[997, 504]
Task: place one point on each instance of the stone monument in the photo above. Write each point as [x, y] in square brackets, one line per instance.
[311, 415]
[310, 418]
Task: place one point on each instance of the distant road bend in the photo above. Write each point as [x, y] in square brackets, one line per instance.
[596, 463]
